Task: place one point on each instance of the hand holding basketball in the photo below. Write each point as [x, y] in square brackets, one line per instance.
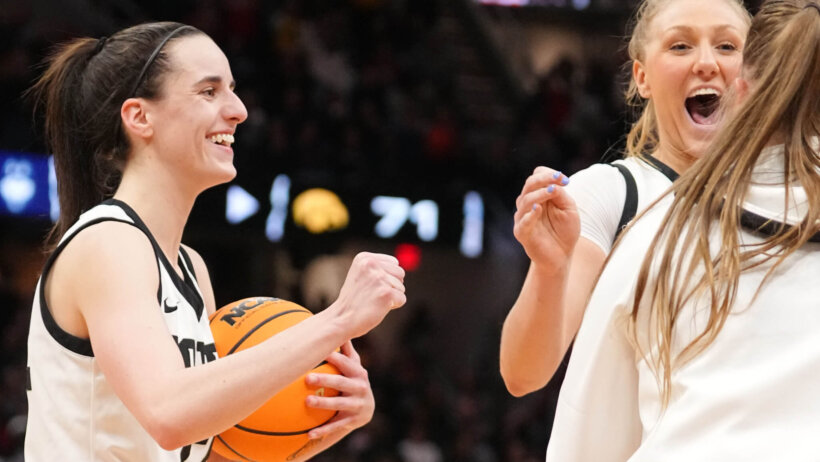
[374, 286]
[546, 219]
[355, 403]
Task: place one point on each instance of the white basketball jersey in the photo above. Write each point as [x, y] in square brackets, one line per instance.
[74, 413]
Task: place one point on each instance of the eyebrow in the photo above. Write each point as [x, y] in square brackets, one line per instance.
[685, 28]
[215, 79]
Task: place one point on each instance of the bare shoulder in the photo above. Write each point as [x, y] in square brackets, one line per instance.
[110, 244]
[102, 265]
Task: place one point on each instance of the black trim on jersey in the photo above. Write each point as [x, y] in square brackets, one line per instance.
[186, 450]
[78, 345]
[28, 378]
[661, 167]
[631, 202]
[188, 262]
[185, 286]
[767, 226]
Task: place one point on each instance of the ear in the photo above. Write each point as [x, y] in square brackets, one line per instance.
[135, 118]
[639, 75]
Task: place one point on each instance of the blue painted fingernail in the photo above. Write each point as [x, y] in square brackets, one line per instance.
[556, 174]
[534, 206]
[565, 181]
[550, 188]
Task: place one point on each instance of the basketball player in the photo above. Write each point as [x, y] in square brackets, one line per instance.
[140, 123]
[685, 54]
[706, 348]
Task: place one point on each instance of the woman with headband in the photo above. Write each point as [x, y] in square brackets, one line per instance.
[140, 123]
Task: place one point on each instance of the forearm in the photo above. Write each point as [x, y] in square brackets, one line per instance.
[534, 336]
[190, 405]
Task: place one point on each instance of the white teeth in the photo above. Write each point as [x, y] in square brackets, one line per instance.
[222, 138]
[704, 91]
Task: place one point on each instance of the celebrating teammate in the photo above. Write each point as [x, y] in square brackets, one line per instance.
[685, 54]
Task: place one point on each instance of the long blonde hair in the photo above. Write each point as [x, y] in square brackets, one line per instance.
[782, 62]
[642, 138]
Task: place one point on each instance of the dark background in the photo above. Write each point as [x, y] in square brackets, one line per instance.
[423, 99]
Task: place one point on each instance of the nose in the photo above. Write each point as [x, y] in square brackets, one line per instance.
[706, 65]
[235, 110]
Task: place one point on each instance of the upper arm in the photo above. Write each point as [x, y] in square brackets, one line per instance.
[599, 192]
[203, 279]
[116, 295]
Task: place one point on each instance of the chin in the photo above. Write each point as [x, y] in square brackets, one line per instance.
[218, 177]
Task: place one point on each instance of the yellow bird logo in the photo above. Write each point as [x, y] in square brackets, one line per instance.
[319, 210]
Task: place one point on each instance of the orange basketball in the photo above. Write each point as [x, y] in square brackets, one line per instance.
[277, 431]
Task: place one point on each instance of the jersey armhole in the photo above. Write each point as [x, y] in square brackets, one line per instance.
[631, 202]
[71, 342]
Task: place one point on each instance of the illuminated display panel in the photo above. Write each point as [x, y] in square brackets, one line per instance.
[290, 209]
[287, 209]
[28, 187]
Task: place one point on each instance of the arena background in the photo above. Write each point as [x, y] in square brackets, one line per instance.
[439, 107]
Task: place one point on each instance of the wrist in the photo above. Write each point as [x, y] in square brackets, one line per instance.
[551, 270]
[333, 321]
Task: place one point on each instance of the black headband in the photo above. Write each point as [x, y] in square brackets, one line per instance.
[152, 58]
[100, 44]
[812, 5]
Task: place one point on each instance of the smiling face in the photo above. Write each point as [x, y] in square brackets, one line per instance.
[195, 118]
[692, 53]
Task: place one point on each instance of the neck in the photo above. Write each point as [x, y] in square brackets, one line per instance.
[162, 203]
[678, 161]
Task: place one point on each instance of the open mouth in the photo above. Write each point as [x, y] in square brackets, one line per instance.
[703, 106]
[222, 139]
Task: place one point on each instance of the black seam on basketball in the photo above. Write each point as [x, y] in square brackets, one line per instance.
[256, 327]
[300, 432]
[232, 449]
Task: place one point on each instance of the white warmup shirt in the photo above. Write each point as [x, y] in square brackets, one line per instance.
[752, 395]
[74, 415]
[600, 193]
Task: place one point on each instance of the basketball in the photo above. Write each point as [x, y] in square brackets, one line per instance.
[277, 431]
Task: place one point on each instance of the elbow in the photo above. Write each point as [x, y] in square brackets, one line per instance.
[518, 388]
[516, 385]
[165, 431]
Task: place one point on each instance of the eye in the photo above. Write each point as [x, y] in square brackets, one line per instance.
[210, 91]
[679, 46]
[727, 46]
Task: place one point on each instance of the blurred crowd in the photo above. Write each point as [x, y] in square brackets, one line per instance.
[355, 94]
